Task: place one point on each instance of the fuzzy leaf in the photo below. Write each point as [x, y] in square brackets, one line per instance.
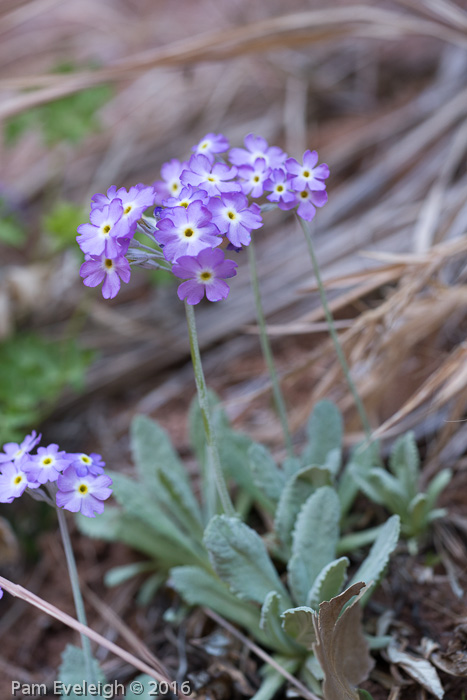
[325, 437]
[72, 671]
[437, 485]
[200, 587]
[372, 568]
[152, 451]
[298, 623]
[116, 526]
[142, 505]
[162, 472]
[146, 682]
[341, 647]
[328, 583]
[274, 680]
[266, 474]
[120, 574]
[239, 557]
[270, 623]
[315, 538]
[296, 492]
[404, 463]
[383, 488]
[364, 457]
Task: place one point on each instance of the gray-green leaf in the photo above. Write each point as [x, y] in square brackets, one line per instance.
[239, 557]
[298, 623]
[328, 583]
[266, 474]
[315, 538]
[372, 568]
[296, 492]
[404, 463]
[270, 623]
[72, 671]
[200, 587]
[325, 437]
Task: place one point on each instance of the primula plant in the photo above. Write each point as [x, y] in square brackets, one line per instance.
[67, 481]
[289, 588]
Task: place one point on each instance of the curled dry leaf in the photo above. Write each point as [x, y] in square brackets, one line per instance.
[454, 660]
[417, 668]
[341, 648]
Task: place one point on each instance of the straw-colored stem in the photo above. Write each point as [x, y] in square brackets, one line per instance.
[267, 352]
[333, 332]
[211, 442]
[78, 598]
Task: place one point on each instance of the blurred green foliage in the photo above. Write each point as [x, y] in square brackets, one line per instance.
[69, 119]
[33, 373]
[61, 223]
[11, 229]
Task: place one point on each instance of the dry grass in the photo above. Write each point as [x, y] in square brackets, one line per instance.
[391, 128]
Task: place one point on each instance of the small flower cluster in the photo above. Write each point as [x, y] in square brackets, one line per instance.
[199, 204]
[75, 481]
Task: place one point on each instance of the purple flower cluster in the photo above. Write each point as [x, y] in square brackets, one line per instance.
[199, 203]
[77, 481]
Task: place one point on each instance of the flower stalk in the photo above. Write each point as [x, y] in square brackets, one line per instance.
[77, 597]
[213, 460]
[332, 330]
[267, 352]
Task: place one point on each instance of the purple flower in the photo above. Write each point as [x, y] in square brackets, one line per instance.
[213, 178]
[47, 464]
[187, 231]
[14, 452]
[87, 464]
[211, 144]
[14, 480]
[111, 270]
[134, 202]
[204, 273]
[170, 184]
[186, 196]
[257, 147]
[253, 177]
[307, 200]
[107, 226]
[85, 494]
[278, 185]
[307, 175]
[234, 218]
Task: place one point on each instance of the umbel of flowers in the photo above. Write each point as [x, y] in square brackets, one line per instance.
[73, 481]
[197, 206]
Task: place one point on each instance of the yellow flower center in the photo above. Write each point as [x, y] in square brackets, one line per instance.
[188, 232]
[256, 178]
[211, 179]
[205, 276]
[306, 173]
[18, 479]
[46, 461]
[231, 215]
[106, 229]
[128, 209]
[83, 488]
[280, 188]
[108, 263]
[304, 194]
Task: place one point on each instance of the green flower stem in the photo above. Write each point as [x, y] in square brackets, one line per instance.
[211, 441]
[78, 598]
[267, 352]
[332, 331]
